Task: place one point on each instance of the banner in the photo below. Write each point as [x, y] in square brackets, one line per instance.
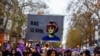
[44, 27]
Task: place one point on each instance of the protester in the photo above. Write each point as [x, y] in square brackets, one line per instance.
[13, 52]
[22, 50]
[19, 52]
[97, 51]
[28, 52]
[75, 53]
[52, 53]
[67, 53]
[35, 52]
[6, 49]
[86, 53]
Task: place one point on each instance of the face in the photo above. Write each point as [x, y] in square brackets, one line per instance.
[51, 30]
[67, 54]
[53, 53]
[13, 51]
[83, 54]
[33, 50]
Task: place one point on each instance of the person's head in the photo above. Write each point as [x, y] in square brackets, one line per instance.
[51, 53]
[97, 54]
[75, 53]
[52, 27]
[13, 51]
[67, 53]
[97, 51]
[86, 53]
[34, 50]
[28, 50]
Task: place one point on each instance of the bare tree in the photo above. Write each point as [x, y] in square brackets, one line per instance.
[18, 16]
[83, 18]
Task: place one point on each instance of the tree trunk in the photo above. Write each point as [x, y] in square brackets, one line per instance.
[5, 24]
[11, 32]
[90, 40]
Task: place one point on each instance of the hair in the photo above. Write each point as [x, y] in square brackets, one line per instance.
[86, 52]
[68, 52]
[49, 52]
[96, 50]
[52, 25]
[75, 53]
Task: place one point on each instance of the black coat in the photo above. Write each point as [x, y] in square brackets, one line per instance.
[18, 54]
[35, 54]
[6, 53]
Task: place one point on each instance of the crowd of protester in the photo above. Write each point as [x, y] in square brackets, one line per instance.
[21, 50]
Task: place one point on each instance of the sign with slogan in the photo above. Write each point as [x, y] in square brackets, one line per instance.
[44, 27]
